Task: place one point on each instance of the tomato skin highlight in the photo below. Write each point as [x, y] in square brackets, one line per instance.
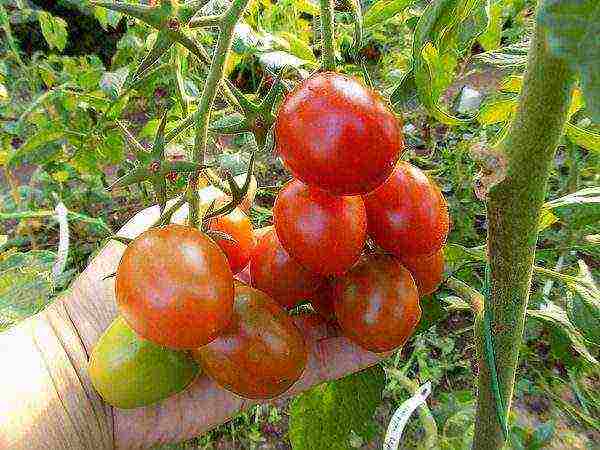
[274, 272]
[237, 225]
[377, 303]
[334, 133]
[130, 372]
[174, 287]
[262, 352]
[427, 271]
[324, 233]
[408, 214]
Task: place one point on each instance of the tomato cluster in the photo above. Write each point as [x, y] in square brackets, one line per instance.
[180, 304]
[343, 146]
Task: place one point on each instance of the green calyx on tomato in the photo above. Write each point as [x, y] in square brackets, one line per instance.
[130, 372]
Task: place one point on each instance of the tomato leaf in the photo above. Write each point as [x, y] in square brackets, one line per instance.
[582, 137]
[36, 149]
[325, 416]
[579, 208]
[497, 111]
[583, 304]
[490, 38]
[383, 10]
[573, 27]
[54, 30]
[556, 316]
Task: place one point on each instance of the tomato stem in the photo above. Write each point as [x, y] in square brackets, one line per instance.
[215, 75]
[513, 214]
[327, 36]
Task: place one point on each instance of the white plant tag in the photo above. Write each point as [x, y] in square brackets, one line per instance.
[401, 416]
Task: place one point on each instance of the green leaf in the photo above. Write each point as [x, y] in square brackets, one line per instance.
[54, 30]
[405, 95]
[29, 153]
[490, 38]
[556, 316]
[583, 304]
[573, 27]
[298, 47]
[23, 292]
[432, 313]
[582, 137]
[578, 209]
[383, 10]
[325, 416]
[497, 111]
[475, 25]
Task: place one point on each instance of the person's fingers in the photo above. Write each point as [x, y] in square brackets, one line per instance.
[205, 405]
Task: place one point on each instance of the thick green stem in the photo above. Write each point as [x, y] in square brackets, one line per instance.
[215, 74]
[513, 212]
[328, 55]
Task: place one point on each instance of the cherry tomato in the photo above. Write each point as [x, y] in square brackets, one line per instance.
[334, 133]
[273, 271]
[426, 270]
[323, 301]
[174, 287]
[262, 352]
[408, 215]
[324, 233]
[238, 226]
[377, 303]
[129, 372]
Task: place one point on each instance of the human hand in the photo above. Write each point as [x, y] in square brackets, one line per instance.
[73, 414]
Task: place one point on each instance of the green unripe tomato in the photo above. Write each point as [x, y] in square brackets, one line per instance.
[129, 372]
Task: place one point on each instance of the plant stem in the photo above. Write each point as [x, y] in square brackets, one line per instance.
[513, 211]
[328, 50]
[215, 74]
[474, 298]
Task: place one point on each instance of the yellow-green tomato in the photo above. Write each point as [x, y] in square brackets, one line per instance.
[129, 372]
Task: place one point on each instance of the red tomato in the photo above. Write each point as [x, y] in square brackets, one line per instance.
[237, 225]
[408, 215]
[174, 287]
[427, 271]
[334, 133]
[261, 354]
[273, 271]
[377, 303]
[324, 233]
[323, 301]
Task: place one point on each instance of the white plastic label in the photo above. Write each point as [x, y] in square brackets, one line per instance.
[401, 416]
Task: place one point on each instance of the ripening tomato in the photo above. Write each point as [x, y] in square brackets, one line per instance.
[237, 225]
[174, 287]
[377, 303]
[408, 214]
[426, 270]
[129, 372]
[324, 233]
[274, 272]
[323, 301]
[334, 133]
[262, 352]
